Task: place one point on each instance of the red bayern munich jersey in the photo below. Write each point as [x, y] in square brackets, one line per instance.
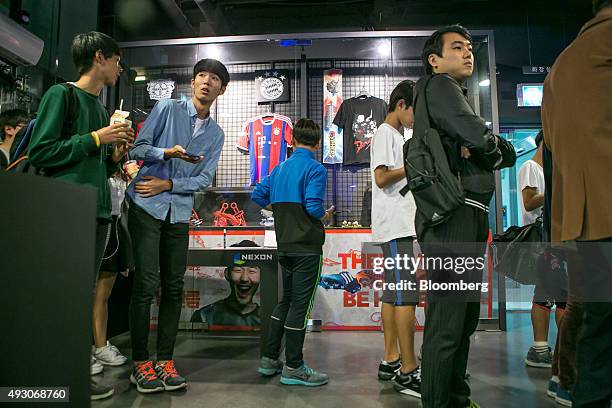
[266, 139]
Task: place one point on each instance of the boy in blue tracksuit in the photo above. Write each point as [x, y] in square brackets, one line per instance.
[295, 192]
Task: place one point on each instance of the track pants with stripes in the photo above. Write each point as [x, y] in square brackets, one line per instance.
[449, 321]
[301, 273]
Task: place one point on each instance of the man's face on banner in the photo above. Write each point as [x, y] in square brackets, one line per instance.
[244, 281]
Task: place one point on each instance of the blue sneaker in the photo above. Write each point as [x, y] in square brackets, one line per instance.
[564, 397]
[343, 281]
[553, 386]
[269, 367]
[303, 375]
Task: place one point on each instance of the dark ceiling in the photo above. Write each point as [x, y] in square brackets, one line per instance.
[154, 19]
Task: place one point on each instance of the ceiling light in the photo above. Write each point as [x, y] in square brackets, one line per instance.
[212, 51]
[486, 82]
[140, 78]
[384, 49]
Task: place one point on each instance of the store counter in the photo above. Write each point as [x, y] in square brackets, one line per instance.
[337, 305]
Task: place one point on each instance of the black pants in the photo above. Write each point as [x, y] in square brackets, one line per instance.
[158, 246]
[593, 387]
[102, 235]
[449, 322]
[301, 273]
[564, 359]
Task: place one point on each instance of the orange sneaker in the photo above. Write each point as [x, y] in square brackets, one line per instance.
[145, 378]
[169, 376]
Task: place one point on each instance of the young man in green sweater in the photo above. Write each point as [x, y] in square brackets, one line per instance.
[89, 150]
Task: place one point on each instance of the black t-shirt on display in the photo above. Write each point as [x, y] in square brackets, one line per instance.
[359, 118]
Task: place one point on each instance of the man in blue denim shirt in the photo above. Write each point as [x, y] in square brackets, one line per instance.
[180, 145]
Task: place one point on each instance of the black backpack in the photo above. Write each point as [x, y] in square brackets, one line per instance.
[19, 158]
[436, 190]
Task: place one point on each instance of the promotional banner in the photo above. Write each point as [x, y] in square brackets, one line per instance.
[332, 99]
[346, 299]
[225, 296]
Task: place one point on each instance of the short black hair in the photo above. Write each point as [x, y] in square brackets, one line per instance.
[307, 132]
[435, 43]
[85, 46]
[599, 4]
[214, 67]
[539, 138]
[12, 118]
[403, 91]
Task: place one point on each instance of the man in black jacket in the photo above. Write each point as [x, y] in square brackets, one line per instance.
[473, 152]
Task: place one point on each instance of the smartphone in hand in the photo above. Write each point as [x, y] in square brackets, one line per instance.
[194, 156]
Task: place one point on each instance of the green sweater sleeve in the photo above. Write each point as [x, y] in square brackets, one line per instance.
[49, 147]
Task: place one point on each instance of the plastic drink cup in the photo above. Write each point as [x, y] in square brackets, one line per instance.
[131, 168]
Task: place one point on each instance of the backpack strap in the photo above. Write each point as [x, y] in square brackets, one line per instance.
[72, 111]
[16, 163]
[425, 117]
[419, 118]
[25, 141]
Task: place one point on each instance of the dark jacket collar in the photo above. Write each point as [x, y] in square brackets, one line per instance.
[461, 84]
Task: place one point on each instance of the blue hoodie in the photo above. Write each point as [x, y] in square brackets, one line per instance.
[296, 189]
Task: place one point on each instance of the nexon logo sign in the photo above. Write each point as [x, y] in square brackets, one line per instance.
[256, 257]
[240, 259]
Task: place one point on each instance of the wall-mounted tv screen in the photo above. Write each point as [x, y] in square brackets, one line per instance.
[529, 95]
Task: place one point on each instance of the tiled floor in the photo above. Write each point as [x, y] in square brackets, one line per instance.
[221, 373]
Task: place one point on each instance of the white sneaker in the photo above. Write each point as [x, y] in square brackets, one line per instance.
[96, 368]
[109, 355]
[112, 346]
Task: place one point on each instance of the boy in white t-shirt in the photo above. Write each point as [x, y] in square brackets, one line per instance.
[531, 185]
[393, 225]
